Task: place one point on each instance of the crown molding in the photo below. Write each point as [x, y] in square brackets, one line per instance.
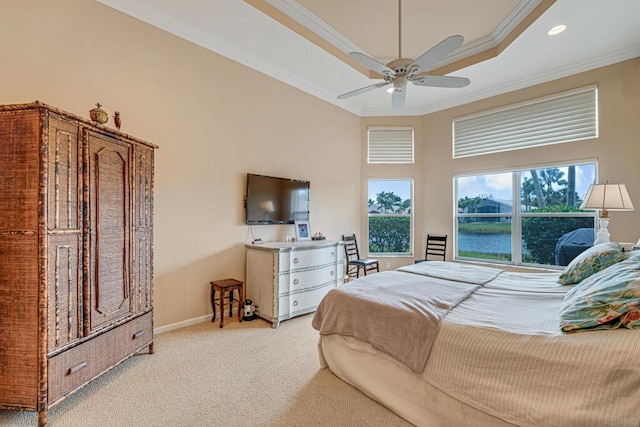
[493, 40]
[310, 21]
[206, 40]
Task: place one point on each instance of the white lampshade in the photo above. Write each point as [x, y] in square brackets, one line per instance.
[607, 197]
[604, 198]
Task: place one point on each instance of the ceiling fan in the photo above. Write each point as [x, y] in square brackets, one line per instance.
[402, 70]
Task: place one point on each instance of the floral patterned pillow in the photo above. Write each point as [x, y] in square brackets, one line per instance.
[608, 299]
[591, 261]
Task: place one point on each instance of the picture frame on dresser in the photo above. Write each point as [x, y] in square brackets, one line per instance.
[303, 230]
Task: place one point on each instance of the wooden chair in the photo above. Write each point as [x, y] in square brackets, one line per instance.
[436, 247]
[354, 262]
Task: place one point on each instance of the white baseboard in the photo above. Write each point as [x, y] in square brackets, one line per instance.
[182, 324]
[188, 322]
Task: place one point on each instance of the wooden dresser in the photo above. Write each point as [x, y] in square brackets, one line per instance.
[76, 267]
[289, 279]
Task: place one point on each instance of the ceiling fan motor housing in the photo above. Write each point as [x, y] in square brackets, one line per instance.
[400, 66]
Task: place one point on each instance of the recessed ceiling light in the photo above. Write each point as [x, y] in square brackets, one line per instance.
[557, 29]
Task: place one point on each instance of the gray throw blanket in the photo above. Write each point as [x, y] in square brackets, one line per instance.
[473, 274]
[397, 313]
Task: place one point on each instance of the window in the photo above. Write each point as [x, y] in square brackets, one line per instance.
[390, 217]
[529, 217]
[390, 145]
[565, 117]
[485, 212]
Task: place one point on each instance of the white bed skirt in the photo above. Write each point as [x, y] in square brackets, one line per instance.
[395, 386]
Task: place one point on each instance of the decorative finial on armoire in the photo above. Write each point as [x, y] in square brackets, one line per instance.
[98, 115]
[117, 120]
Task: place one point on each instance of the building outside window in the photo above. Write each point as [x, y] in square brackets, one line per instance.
[390, 220]
[525, 217]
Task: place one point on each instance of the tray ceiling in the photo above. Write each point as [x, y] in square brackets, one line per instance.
[305, 43]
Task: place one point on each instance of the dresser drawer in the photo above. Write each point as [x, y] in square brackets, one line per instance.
[302, 259]
[302, 302]
[82, 363]
[308, 279]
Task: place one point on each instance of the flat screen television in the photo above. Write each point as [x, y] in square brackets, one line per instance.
[273, 200]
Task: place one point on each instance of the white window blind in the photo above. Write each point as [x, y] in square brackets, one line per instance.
[565, 117]
[390, 145]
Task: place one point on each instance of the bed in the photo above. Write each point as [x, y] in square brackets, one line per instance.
[495, 353]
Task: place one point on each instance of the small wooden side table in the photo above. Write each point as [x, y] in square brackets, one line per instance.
[223, 286]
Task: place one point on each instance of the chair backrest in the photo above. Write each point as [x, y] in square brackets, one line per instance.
[351, 247]
[436, 246]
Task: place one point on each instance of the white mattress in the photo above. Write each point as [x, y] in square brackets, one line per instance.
[500, 357]
[393, 384]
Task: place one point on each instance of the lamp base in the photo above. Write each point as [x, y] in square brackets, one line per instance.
[603, 233]
[601, 237]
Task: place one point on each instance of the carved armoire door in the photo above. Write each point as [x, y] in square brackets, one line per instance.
[109, 229]
[64, 232]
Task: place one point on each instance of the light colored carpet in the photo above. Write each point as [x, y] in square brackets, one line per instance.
[245, 374]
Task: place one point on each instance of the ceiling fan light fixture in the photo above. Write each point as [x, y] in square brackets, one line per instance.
[403, 70]
[557, 29]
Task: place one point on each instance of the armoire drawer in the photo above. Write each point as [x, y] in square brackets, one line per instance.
[84, 362]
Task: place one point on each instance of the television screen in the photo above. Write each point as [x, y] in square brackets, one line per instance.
[272, 200]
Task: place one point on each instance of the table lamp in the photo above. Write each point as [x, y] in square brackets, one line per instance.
[604, 198]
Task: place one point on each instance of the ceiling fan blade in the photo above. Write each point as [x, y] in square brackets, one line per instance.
[363, 90]
[436, 53]
[397, 98]
[372, 64]
[441, 81]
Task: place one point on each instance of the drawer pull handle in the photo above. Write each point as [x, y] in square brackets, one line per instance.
[295, 303]
[333, 254]
[295, 260]
[137, 335]
[333, 273]
[76, 368]
[295, 281]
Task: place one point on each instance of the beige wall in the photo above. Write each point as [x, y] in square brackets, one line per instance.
[617, 151]
[214, 120]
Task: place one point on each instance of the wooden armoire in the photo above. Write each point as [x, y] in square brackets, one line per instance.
[76, 264]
